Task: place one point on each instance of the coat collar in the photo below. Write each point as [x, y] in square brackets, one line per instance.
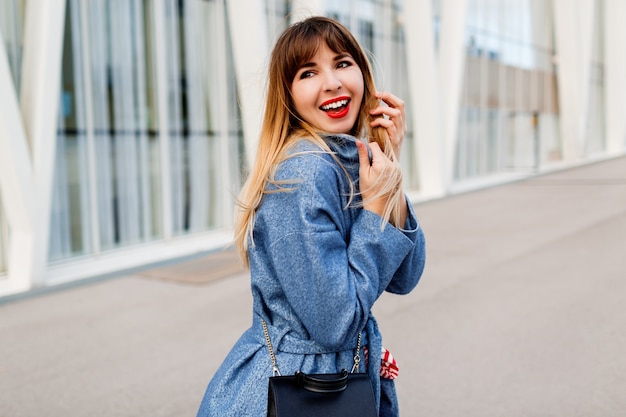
[343, 145]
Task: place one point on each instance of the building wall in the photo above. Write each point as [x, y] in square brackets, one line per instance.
[133, 157]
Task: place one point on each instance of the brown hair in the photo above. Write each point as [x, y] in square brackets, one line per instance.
[281, 124]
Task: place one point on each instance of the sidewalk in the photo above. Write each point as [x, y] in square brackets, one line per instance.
[521, 312]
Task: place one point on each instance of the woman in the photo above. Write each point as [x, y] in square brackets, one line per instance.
[324, 225]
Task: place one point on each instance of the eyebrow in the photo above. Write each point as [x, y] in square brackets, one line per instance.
[339, 57]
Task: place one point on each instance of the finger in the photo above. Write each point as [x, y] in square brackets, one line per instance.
[386, 124]
[365, 154]
[376, 152]
[390, 99]
[395, 103]
[394, 128]
[390, 112]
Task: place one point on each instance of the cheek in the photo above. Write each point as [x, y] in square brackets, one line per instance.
[300, 96]
[360, 90]
[362, 95]
[295, 100]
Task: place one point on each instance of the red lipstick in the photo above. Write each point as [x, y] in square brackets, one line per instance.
[340, 113]
[336, 112]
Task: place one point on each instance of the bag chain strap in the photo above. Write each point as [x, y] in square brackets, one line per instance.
[276, 372]
[357, 356]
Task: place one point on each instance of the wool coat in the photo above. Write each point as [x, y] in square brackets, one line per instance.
[318, 262]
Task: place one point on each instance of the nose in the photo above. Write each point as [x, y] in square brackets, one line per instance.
[331, 81]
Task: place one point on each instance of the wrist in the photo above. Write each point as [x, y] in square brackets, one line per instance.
[377, 207]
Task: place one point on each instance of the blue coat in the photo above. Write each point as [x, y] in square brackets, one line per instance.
[316, 269]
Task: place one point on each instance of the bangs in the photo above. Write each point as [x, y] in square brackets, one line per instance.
[305, 44]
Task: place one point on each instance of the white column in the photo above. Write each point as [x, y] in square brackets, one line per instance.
[16, 184]
[217, 94]
[615, 75]
[41, 79]
[451, 64]
[160, 47]
[573, 22]
[423, 91]
[248, 24]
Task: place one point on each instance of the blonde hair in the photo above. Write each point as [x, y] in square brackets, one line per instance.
[282, 125]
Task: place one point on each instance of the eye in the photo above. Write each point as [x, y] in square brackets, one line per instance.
[305, 74]
[344, 64]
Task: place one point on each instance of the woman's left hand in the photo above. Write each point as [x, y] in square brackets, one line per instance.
[393, 119]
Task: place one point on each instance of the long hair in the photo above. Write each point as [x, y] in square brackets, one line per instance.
[282, 125]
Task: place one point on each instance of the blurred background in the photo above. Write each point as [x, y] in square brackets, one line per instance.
[134, 155]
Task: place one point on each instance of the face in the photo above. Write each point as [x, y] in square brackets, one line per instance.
[328, 90]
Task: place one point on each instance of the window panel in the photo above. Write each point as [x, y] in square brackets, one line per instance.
[107, 185]
[235, 146]
[125, 149]
[509, 95]
[11, 24]
[11, 27]
[193, 140]
[106, 161]
[278, 12]
[69, 221]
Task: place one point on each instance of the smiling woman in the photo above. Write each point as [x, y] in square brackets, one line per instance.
[324, 225]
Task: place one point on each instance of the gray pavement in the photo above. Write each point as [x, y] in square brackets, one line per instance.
[521, 312]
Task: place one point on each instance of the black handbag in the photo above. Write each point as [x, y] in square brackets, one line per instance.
[346, 394]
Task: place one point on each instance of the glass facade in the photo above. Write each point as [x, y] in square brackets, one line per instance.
[11, 29]
[278, 12]
[508, 119]
[150, 146]
[11, 26]
[113, 151]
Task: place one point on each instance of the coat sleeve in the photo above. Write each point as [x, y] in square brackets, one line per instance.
[408, 274]
[331, 273]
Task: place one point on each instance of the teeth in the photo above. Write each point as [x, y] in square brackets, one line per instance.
[335, 105]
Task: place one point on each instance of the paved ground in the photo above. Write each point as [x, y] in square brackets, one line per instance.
[521, 312]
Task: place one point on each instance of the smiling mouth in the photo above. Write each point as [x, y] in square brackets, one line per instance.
[335, 105]
[336, 108]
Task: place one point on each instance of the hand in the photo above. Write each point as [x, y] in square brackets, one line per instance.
[393, 120]
[379, 180]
